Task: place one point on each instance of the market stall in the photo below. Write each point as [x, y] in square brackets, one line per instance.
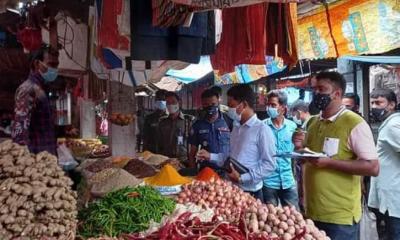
[136, 199]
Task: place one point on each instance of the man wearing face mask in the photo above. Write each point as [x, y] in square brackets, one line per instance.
[332, 185]
[384, 197]
[223, 108]
[252, 144]
[34, 123]
[211, 132]
[172, 130]
[352, 102]
[152, 120]
[301, 116]
[279, 187]
[300, 113]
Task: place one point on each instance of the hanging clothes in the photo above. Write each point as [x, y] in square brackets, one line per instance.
[109, 35]
[218, 25]
[207, 4]
[169, 14]
[243, 38]
[282, 32]
[174, 43]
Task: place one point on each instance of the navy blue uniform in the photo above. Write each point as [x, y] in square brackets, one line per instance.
[213, 137]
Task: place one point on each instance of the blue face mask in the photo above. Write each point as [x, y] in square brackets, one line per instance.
[50, 75]
[272, 112]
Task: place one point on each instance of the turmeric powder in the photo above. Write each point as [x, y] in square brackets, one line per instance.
[168, 176]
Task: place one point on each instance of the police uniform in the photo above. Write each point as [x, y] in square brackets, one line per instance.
[150, 130]
[172, 136]
[213, 137]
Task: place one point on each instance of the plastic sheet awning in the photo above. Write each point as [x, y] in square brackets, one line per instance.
[193, 72]
[374, 59]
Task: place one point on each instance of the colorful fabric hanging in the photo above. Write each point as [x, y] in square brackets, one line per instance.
[281, 31]
[242, 40]
[210, 4]
[174, 43]
[168, 14]
[109, 35]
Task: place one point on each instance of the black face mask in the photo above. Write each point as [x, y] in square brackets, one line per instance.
[208, 112]
[212, 110]
[378, 114]
[321, 101]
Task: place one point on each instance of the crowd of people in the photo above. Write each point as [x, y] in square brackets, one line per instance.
[255, 154]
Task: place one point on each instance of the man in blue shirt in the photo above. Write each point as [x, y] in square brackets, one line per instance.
[252, 143]
[210, 132]
[280, 187]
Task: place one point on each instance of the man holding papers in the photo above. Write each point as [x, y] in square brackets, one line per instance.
[332, 185]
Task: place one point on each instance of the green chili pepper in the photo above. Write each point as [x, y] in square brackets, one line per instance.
[118, 213]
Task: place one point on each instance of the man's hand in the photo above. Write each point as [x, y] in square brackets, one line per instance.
[234, 175]
[319, 162]
[298, 140]
[203, 155]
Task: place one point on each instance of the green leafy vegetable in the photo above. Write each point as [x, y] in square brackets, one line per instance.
[127, 210]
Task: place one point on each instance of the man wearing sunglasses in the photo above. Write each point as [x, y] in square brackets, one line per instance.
[34, 123]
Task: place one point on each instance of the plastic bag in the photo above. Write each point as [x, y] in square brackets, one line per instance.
[65, 158]
[368, 225]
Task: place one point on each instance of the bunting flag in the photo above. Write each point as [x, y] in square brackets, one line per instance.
[358, 27]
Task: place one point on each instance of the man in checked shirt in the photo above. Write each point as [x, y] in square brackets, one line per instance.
[34, 123]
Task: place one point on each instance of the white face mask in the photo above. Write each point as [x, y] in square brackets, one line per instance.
[232, 113]
[297, 121]
[174, 108]
[161, 105]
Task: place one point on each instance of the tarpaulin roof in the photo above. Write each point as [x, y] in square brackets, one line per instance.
[375, 59]
[193, 72]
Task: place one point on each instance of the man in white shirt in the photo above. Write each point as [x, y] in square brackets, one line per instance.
[384, 197]
[252, 143]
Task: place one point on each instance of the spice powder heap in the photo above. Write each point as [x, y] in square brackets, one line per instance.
[139, 169]
[207, 174]
[168, 176]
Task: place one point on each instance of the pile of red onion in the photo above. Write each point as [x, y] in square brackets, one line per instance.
[227, 200]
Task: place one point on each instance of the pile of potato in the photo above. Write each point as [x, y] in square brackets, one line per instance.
[286, 223]
[36, 200]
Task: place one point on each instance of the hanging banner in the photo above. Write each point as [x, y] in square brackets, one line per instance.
[249, 73]
[218, 4]
[358, 27]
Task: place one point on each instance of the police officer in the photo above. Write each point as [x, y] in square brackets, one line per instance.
[210, 133]
[223, 108]
[173, 129]
[152, 120]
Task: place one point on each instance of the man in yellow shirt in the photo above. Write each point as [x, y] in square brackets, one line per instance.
[332, 185]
